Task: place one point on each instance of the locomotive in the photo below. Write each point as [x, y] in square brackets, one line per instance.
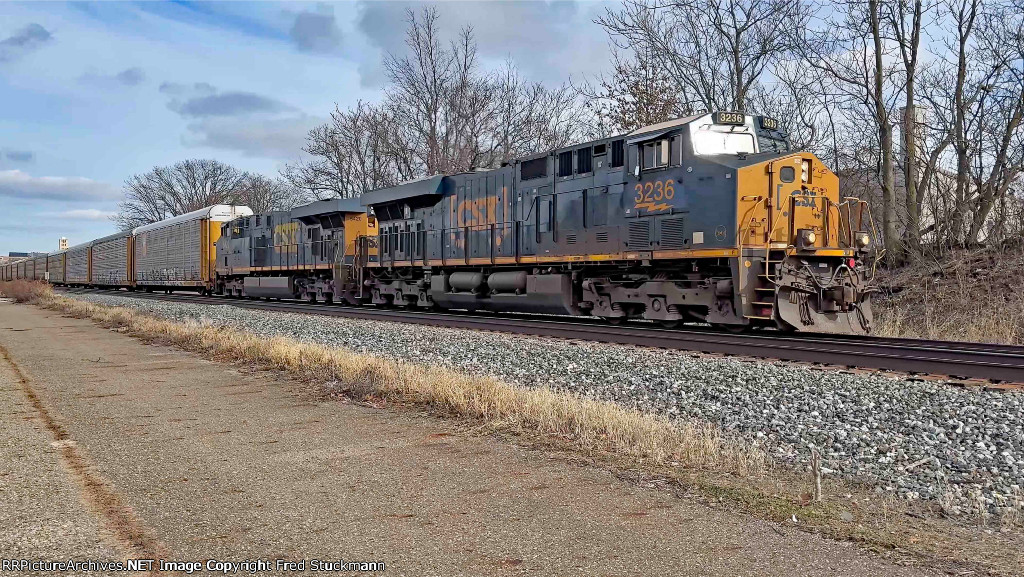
[711, 218]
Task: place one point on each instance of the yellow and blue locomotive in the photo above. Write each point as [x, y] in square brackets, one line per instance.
[710, 218]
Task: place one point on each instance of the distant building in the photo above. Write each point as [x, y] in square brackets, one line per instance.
[62, 244]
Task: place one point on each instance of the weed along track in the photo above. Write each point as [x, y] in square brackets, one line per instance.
[982, 365]
[587, 423]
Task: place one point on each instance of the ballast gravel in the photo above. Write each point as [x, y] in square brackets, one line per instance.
[911, 438]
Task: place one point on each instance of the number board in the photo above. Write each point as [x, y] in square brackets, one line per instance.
[734, 118]
[769, 123]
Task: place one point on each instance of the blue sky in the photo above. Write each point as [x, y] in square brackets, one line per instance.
[91, 93]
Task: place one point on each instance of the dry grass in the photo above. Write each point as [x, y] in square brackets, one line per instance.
[585, 423]
[692, 459]
[966, 296]
[25, 291]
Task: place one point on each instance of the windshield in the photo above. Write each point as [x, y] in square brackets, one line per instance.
[718, 139]
[767, 143]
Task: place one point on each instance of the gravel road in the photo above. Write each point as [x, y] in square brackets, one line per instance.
[915, 439]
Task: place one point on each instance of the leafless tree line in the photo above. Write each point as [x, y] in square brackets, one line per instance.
[167, 191]
[917, 104]
[441, 113]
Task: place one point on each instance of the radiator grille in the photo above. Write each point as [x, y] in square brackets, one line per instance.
[601, 236]
[570, 239]
[640, 234]
[673, 234]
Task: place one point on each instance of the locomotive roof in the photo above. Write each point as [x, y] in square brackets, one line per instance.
[329, 206]
[431, 185]
[738, 161]
[645, 132]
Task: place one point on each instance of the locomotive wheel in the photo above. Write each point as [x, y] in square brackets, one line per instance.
[670, 324]
[616, 321]
[329, 299]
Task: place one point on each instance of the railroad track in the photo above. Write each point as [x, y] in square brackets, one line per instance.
[1002, 366]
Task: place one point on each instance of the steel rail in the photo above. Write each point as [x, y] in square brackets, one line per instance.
[1000, 363]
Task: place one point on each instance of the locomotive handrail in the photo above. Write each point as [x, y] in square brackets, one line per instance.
[771, 234]
[741, 236]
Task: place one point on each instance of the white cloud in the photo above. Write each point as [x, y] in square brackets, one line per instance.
[280, 138]
[551, 41]
[85, 214]
[18, 184]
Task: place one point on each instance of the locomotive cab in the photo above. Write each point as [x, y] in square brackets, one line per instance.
[801, 251]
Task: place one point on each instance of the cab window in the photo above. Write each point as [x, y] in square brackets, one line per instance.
[655, 154]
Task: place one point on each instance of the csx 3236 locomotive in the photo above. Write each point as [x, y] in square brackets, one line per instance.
[710, 218]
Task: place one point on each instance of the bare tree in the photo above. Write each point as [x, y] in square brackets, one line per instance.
[143, 202]
[440, 99]
[716, 50]
[979, 114]
[849, 49]
[264, 194]
[999, 158]
[167, 191]
[441, 114]
[355, 152]
[526, 117]
[639, 92]
[905, 20]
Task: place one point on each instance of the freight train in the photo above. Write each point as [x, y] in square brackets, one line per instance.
[710, 218]
[173, 254]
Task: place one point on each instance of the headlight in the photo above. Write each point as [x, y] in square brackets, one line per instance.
[862, 239]
[805, 238]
